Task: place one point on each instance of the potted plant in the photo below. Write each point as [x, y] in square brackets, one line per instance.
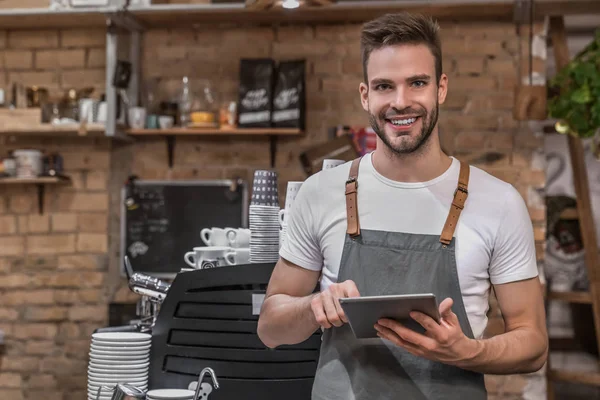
[575, 94]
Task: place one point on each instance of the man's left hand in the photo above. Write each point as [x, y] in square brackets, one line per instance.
[444, 342]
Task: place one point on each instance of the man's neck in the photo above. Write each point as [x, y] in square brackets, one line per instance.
[420, 167]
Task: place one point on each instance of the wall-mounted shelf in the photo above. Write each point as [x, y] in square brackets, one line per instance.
[90, 130]
[171, 134]
[40, 182]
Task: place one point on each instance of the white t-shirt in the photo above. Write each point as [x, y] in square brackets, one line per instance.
[494, 236]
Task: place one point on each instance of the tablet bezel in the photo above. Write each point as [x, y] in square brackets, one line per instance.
[364, 312]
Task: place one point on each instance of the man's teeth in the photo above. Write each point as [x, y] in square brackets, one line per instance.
[403, 121]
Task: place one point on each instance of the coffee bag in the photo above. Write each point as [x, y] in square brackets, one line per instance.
[255, 93]
[289, 97]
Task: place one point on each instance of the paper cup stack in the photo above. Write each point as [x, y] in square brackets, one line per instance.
[170, 394]
[264, 218]
[118, 357]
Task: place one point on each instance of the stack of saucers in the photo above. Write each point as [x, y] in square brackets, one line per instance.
[264, 218]
[118, 357]
[170, 394]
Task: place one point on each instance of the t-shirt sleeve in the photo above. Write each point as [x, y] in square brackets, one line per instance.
[301, 245]
[513, 257]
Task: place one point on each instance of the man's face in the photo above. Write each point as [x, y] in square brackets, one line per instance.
[402, 96]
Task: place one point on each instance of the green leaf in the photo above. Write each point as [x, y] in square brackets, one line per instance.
[582, 95]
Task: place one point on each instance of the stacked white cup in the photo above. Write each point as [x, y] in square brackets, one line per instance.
[292, 191]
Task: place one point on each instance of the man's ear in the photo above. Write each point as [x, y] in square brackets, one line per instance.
[442, 88]
[364, 95]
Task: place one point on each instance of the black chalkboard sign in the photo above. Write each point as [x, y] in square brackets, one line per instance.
[162, 220]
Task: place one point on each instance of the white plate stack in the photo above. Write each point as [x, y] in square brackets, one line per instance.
[170, 394]
[118, 357]
[264, 218]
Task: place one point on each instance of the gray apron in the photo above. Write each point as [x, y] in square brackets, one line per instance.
[385, 263]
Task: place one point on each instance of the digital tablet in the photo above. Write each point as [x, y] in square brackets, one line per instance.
[364, 312]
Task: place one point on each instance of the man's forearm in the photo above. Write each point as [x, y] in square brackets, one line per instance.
[515, 352]
[286, 320]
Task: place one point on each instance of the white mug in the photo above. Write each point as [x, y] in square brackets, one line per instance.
[330, 163]
[238, 256]
[282, 217]
[208, 257]
[238, 238]
[137, 117]
[215, 237]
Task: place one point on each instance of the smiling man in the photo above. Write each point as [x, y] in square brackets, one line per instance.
[408, 219]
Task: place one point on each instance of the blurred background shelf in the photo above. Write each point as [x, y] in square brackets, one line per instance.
[216, 131]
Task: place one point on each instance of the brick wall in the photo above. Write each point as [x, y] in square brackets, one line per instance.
[59, 271]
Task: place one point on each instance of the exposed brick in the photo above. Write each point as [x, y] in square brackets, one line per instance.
[69, 330]
[327, 67]
[18, 59]
[96, 180]
[469, 83]
[75, 279]
[35, 331]
[83, 77]
[8, 314]
[45, 314]
[501, 66]
[64, 222]
[470, 65]
[80, 262]
[38, 78]
[12, 394]
[96, 58]
[92, 222]
[38, 223]
[87, 160]
[45, 59]
[484, 30]
[14, 297]
[39, 262]
[88, 313]
[21, 203]
[42, 381]
[28, 39]
[83, 38]
[45, 394]
[15, 281]
[92, 242]
[19, 364]
[470, 140]
[51, 244]
[61, 366]
[10, 380]
[40, 348]
[3, 39]
[295, 33]
[92, 296]
[8, 225]
[2, 199]
[83, 201]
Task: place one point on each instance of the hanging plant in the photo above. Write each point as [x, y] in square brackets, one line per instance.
[576, 93]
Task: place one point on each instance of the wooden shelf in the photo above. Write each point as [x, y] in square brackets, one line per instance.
[584, 378]
[215, 131]
[95, 130]
[571, 297]
[44, 18]
[40, 182]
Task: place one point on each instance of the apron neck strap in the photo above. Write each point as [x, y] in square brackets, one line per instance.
[351, 201]
[458, 203]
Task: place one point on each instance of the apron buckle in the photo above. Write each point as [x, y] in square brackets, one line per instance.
[462, 189]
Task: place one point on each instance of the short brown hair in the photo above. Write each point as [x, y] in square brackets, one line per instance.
[401, 28]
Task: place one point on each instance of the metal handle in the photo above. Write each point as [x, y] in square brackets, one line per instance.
[212, 374]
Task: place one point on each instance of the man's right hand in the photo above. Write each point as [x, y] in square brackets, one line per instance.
[326, 304]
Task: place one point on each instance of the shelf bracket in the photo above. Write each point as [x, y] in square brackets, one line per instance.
[273, 149]
[170, 149]
[41, 188]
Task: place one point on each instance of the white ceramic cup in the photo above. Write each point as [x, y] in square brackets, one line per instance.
[238, 256]
[208, 257]
[330, 163]
[165, 122]
[282, 217]
[238, 238]
[29, 163]
[215, 237]
[137, 117]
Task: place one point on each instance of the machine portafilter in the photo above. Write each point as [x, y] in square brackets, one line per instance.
[153, 292]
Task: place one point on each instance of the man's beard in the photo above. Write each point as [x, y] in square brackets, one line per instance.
[428, 123]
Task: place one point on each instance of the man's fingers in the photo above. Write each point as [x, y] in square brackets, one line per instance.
[320, 316]
[331, 311]
[446, 307]
[350, 289]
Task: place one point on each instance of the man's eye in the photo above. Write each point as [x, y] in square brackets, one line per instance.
[419, 83]
[382, 86]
